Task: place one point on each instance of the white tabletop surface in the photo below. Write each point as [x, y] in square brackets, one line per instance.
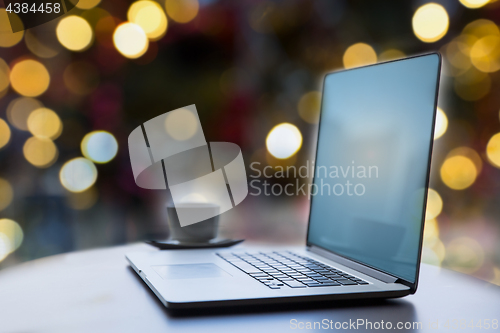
[96, 291]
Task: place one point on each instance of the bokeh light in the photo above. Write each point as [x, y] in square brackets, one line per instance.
[433, 251]
[309, 107]
[434, 205]
[458, 172]
[29, 78]
[182, 11]
[99, 146]
[7, 37]
[41, 153]
[150, 17]
[470, 154]
[441, 124]
[81, 78]
[6, 194]
[474, 3]
[78, 174]
[359, 54]
[431, 232]
[4, 133]
[13, 233]
[4, 246]
[181, 125]
[74, 33]
[83, 200]
[485, 54]
[464, 254]
[85, 4]
[493, 150]
[130, 40]
[4, 75]
[44, 123]
[284, 140]
[20, 109]
[391, 54]
[430, 22]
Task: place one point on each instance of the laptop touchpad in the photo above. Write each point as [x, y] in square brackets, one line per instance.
[190, 271]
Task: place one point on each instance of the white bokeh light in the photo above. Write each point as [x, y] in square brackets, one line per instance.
[78, 174]
[284, 140]
[441, 124]
[99, 146]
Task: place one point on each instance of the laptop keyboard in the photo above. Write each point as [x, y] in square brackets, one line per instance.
[281, 269]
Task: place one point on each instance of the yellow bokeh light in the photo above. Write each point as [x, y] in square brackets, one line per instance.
[284, 140]
[4, 246]
[470, 154]
[434, 205]
[181, 125]
[441, 124]
[6, 194]
[19, 110]
[474, 3]
[29, 78]
[485, 54]
[83, 200]
[99, 146]
[4, 133]
[458, 172]
[430, 22]
[85, 4]
[182, 11]
[481, 28]
[359, 54]
[309, 107]
[41, 153]
[458, 53]
[7, 37]
[150, 17]
[391, 54]
[45, 123]
[130, 40]
[4, 75]
[74, 33]
[431, 232]
[78, 174]
[493, 150]
[465, 255]
[12, 235]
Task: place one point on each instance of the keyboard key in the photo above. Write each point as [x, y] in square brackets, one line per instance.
[346, 282]
[362, 282]
[274, 287]
[294, 284]
[247, 268]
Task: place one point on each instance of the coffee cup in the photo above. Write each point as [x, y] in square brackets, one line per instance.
[200, 232]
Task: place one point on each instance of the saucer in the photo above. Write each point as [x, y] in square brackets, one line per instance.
[171, 244]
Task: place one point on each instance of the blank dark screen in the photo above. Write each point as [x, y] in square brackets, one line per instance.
[372, 163]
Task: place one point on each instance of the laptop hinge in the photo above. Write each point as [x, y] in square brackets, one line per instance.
[354, 265]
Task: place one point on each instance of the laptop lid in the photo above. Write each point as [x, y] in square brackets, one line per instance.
[372, 164]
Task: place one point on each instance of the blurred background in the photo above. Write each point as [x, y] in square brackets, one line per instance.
[71, 91]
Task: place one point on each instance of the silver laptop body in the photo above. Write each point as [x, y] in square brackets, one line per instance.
[380, 116]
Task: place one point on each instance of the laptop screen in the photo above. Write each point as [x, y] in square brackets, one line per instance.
[372, 162]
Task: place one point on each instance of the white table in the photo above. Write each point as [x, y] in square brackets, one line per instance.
[96, 291]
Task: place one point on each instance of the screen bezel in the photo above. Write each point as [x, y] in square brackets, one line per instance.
[412, 285]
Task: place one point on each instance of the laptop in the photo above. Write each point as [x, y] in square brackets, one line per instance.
[366, 219]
